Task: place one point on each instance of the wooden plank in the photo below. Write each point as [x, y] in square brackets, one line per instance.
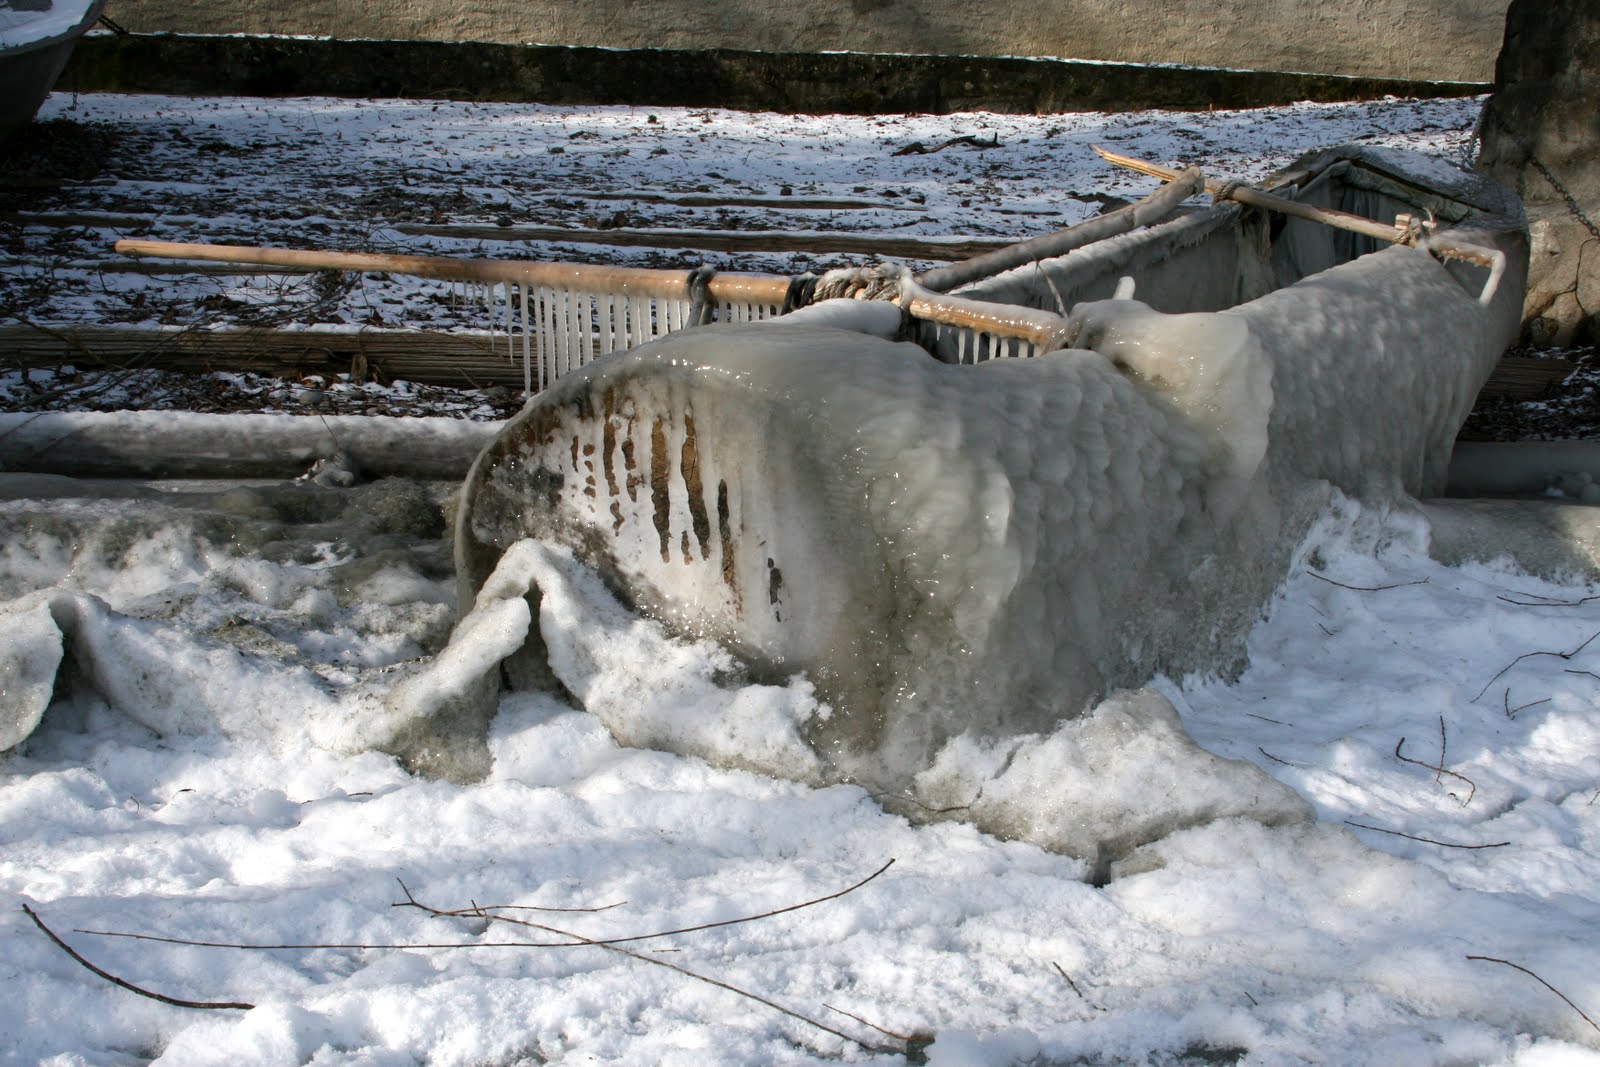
[460, 359]
[1524, 378]
[467, 360]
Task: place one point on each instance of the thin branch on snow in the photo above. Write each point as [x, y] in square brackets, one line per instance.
[1365, 588]
[921, 1037]
[1548, 602]
[1541, 981]
[1424, 840]
[129, 986]
[578, 940]
[1529, 655]
[477, 912]
[1439, 768]
[1511, 712]
[240, 946]
[1074, 986]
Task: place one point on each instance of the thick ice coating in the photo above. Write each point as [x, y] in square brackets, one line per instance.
[985, 551]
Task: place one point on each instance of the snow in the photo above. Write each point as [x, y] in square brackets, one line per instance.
[272, 616]
[1302, 943]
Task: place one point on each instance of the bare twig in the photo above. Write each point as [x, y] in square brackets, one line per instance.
[910, 1039]
[1273, 758]
[580, 940]
[1530, 655]
[1548, 602]
[473, 913]
[1424, 840]
[129, 986]
[1263, 718]
[480, 913]
[1068, 979]
[1365, 588]
[1541, 981]
[1438, 769]
[1511, 712]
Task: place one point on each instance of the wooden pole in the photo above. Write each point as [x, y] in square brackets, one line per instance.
[1399, 233]
[637, 281]
[1158, 205]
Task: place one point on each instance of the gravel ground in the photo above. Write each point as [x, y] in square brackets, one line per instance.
[512, 181]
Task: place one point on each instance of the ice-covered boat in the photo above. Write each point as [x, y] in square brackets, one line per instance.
[950, 542]
[36, 40]
[968, 516]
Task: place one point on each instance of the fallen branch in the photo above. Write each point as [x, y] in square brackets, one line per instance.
[920, 1038]
[1424, 840]
[1530, 655]
[1438, 769]
[129, 986]
[1074, 986]
[474, 912]
[480, 912]
[917, 148]
[1548, 602]
[1365, 588]
[611, 946]
[1541, 981]
[1511, 712]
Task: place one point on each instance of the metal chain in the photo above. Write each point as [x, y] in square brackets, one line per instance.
[1549, 175]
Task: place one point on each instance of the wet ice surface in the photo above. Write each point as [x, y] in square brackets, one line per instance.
[1301, 944]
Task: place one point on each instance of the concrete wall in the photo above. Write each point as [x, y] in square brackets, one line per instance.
[1437, 40]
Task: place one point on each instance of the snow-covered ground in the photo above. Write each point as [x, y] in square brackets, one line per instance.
[1444, 724]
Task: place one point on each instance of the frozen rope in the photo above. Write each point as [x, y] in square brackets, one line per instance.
[701, 309]
[862, 283]
[802, 293]
[1226, 190]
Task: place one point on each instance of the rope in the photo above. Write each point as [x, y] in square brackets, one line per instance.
[802, 292]
[1226, 190]
[862, 283]
[701, 309]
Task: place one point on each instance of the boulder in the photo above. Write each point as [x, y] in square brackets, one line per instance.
[1541, 136]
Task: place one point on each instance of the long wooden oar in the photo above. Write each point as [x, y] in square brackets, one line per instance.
[1401, 232]
[1158, 205]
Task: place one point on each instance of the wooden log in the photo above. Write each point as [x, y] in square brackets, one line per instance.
[634, 281]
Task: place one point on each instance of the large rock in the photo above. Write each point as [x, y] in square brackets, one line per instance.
[1541, 136]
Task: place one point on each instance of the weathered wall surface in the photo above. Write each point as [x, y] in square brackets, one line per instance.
[1541, 136]
[1437, 40]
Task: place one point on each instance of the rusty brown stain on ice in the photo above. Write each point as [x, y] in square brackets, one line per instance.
[730, 575]
[660, 474]
[689, 465]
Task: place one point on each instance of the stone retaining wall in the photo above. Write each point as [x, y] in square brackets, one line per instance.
[1429, 40]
